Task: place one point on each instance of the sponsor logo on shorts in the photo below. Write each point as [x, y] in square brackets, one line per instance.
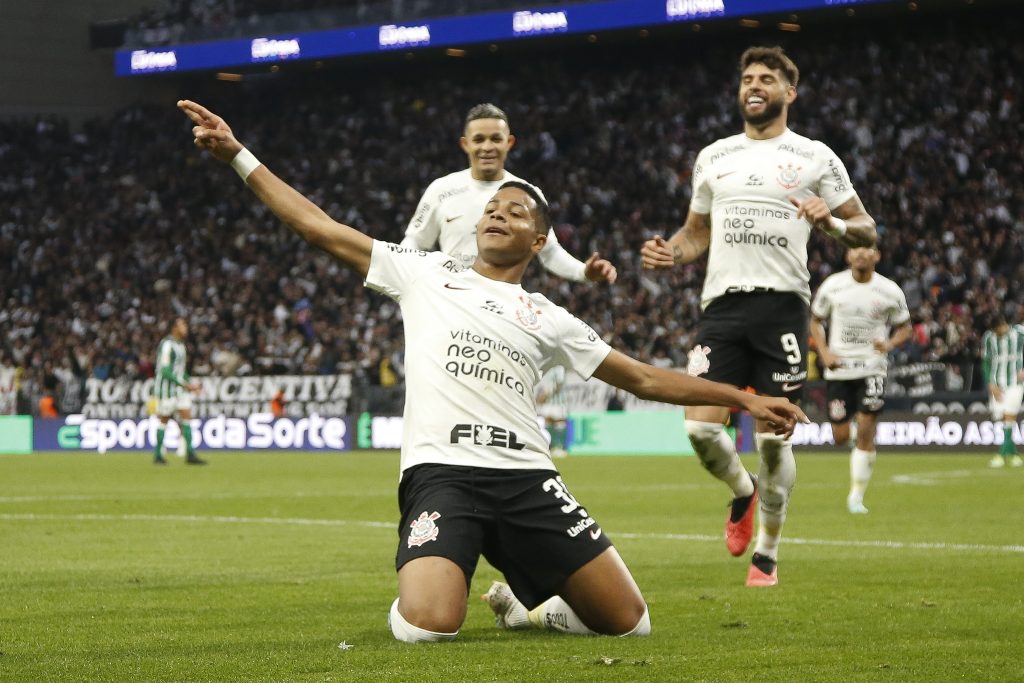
[791, 386]
[581, 526]
[424, 529]
[792, 376]
[837, 410]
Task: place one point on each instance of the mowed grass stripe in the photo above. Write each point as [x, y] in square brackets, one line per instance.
[703, 538]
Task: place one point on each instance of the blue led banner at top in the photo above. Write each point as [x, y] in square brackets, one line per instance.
[447, 32]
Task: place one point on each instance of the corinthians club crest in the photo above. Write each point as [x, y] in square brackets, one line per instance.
[528, 317]
[789, 176]
[423, 529]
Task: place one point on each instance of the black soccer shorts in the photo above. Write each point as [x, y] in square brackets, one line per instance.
[524, 522]
[756, 339]
[849, 396]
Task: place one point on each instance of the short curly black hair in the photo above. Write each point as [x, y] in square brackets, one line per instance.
[774, 58]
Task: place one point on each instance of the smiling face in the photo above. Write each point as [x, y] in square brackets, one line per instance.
[764, 94]
[487, 142]
[507, 232]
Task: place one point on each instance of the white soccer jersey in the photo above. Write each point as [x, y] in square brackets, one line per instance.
[756, 238]
[858, 314]
[449, 211]
[475, 349]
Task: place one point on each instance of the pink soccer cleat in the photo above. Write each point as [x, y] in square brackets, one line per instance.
[739, 526]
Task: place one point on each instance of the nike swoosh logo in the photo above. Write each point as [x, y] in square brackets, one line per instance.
[791, 387]
[449, 285]
[722, 175]
[595, 534]
[453, 218]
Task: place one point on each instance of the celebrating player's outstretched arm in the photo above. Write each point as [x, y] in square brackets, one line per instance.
[346, 244]
[658, 384]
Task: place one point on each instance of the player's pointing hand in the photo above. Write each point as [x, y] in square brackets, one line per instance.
[211, 132]
[597, 269]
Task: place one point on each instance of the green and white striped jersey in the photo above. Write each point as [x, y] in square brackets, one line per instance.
[1003, 357]
[170, 377]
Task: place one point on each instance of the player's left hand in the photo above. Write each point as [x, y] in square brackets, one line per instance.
[881, 346]
[779, 413]
[598, 269]
[211, 132]
[814, 210]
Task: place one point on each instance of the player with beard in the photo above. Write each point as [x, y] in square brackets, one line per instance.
[756, 198]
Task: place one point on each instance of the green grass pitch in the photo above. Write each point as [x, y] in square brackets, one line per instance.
[257, 567]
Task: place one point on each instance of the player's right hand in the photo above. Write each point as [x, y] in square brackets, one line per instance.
[211, 132]
[780, 414]
[656, 253]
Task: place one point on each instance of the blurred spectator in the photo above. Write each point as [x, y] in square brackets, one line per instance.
[110, 231]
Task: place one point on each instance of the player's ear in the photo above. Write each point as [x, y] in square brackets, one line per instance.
[464, 144]
[539, 240]
[511, 141]
[790, 94]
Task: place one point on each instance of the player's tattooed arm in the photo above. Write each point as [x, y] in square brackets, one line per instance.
[860, 227]
[686, 245]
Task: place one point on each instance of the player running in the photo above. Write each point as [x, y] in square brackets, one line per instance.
[756, 198]
[859, 306]
[1002, 365]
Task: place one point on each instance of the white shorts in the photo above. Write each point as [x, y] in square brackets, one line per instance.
[167, 407]
[1010, 405]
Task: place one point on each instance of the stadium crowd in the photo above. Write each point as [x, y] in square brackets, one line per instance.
[109, 231]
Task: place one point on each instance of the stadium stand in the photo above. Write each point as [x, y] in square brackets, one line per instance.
[930, 126]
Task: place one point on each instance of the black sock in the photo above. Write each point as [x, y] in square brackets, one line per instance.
[763, 562]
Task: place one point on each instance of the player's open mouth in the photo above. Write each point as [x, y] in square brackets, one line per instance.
[493, 230]
[755, 101]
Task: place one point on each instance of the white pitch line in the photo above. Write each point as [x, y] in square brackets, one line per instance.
[300, 521]
[930, 478]
[294, 521]
[894, 545]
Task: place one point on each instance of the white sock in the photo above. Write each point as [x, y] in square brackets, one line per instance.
[643, 627]
[554, 614]
[861, 465]
[182, 446]
[717, 453]
[774, 484]
[408, 633]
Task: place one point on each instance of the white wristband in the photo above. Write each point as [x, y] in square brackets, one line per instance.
[244, 163]
[836, 227]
